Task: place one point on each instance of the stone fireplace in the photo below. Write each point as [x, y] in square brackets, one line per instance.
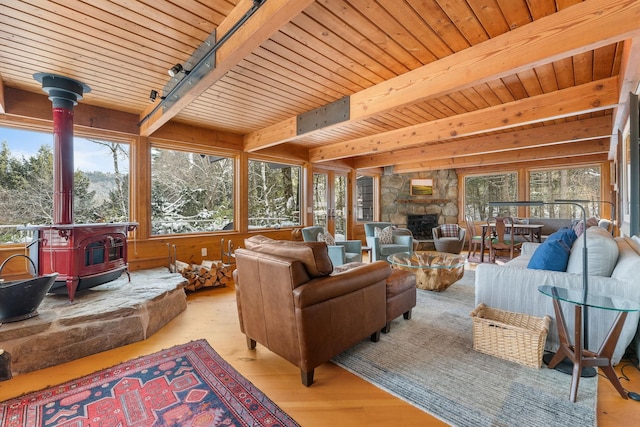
[421, 225]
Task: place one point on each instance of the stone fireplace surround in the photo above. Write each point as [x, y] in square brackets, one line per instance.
[397, 203]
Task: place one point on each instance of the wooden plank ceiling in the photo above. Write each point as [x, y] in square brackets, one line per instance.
[431, 83]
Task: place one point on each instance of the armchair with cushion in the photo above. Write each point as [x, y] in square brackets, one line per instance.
[384, 241]
[340, 252]
[449, 238]
[290, 301]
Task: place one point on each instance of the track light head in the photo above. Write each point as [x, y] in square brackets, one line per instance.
[175, 70]
[153, 95]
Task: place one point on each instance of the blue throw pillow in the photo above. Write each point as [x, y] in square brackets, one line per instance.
[552, 255]
[566, 234]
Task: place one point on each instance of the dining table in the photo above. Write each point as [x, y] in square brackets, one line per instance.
[529, 231]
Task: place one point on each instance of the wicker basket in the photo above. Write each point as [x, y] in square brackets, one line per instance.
[511, 336]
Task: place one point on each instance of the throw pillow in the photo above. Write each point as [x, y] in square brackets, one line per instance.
[552, 254]
[327, 238]
[579, 228]
[385, 235]
[449, 230]
[602, 253]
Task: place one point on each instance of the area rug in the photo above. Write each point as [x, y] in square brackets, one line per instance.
[187, 385]
[429, 362]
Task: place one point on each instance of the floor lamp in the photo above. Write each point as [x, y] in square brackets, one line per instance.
[586, 372]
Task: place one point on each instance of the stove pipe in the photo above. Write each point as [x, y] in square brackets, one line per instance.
[64, 93]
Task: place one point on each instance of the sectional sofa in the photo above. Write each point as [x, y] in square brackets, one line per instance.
[614, 270]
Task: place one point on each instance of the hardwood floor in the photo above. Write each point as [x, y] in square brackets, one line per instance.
[336, 398]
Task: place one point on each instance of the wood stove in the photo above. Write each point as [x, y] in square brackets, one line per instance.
[83, 255]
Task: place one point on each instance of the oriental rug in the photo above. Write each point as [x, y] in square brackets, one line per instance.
[429, 362]
[186, 385]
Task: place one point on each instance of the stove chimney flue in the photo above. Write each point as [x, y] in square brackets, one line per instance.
[64, 93]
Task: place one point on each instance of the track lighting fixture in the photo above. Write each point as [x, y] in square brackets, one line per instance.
[154, 95]
[176, 69]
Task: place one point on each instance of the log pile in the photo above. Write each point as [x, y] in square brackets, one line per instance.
[209, 274]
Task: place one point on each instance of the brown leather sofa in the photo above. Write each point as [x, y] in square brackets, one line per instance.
[290, 301]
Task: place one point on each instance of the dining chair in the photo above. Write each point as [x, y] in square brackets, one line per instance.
[474, 239]
[501, 238]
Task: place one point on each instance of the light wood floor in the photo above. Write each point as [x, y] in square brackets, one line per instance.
[336, 398]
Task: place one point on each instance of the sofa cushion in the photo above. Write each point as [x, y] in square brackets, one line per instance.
[628, 264]
[553, 254]
[314, 255]
[385, 235]
[602, 253]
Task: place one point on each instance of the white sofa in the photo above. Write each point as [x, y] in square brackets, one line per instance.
[514, 287]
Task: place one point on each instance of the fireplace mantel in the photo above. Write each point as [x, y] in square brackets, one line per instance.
[423, 201]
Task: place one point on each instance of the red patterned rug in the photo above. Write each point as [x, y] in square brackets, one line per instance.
[187, 385]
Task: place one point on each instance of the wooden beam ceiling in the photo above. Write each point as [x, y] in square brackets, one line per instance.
[583, 27]
[569, 132]
[585, 98]
[271, 16]
[582, 148]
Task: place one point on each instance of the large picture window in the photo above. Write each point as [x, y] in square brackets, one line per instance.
[274, 194]
[568, 183]
[479, 190]
[101, 181]
[190, 192]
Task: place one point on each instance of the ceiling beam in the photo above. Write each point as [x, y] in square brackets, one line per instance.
[268, 19]
[576, 29]
[589, 97]
[582, 148]
[561, 162]
[593, 128]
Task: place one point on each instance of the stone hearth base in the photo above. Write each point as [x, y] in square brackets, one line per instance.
[101, 318]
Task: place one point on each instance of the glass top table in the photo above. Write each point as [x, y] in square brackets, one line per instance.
[576, 352]
[576, 296]
[435, 271]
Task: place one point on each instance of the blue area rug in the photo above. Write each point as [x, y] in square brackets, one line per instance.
[429, 362]
[187, 385]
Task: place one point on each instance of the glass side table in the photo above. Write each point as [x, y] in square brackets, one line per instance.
[576, 353]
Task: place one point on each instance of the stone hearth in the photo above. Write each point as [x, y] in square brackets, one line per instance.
[101, 318]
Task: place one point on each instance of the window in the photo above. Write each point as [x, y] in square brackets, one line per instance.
[569, 183]
[364, 198]
[274, 194]
[190, 192]
[101, 181]
[481, 189]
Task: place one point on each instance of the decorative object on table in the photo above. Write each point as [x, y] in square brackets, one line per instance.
[20, 299]
[511, 336]
[189, 384]
[430, 363]
[449, 238]
[381, 245]
[435, 271]
[340, 252]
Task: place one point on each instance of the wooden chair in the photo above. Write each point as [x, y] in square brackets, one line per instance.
[474, 239]
[501, 238]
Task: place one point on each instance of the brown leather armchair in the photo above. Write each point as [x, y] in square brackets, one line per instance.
[290, 301]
